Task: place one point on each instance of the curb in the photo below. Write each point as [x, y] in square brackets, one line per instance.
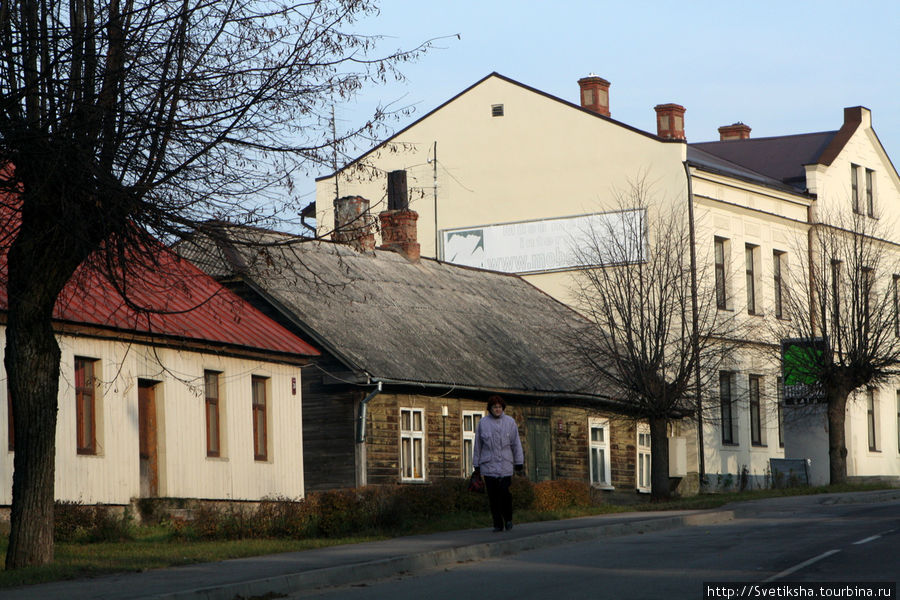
[377, 569]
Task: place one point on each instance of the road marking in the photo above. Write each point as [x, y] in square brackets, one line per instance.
[796, 568]
[866, 540]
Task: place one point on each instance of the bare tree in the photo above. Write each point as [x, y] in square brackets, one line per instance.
[125, 120]
[655, 337]
[844, 304]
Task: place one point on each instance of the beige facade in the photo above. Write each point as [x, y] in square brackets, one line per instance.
[112, 473]
[543, 158]
[546, 158]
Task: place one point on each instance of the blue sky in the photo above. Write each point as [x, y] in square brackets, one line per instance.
[780, 67]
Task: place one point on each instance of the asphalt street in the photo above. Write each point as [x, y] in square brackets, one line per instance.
[788, 541]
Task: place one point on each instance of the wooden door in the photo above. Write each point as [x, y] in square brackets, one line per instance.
[147, 440]
[538, 452]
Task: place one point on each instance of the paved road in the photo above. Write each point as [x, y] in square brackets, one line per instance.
[792, 540]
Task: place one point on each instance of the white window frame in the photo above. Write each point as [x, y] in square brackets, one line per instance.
[751, 257]
[873, 435]
[721, 268]
[779, 260]
[468, 438]
[599, 447]
[644, 458]
[412, 445]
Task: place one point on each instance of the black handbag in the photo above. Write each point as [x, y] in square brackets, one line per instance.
[476, 483]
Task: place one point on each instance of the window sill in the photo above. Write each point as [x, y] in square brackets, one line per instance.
[413, 481]
[731, 445]
[603, 486]
[222, 459]
[760, 446]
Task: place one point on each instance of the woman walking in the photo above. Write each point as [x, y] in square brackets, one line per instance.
[497, 453]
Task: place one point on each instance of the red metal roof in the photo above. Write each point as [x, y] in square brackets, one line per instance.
[174, 299]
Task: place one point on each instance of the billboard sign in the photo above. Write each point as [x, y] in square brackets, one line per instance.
[537, 246]
[801, 362]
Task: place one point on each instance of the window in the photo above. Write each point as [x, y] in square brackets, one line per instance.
[870, 193]
[854, 188]
[85, 406]
[777, 260]
[598, 442]
[871, 418]
[727, 408]
[412, 444]
[757, 425]
[211, 392]
[835, 294]
[470, 420]
[260, 410]
[643, 457]
[898, 420]
[895, 291]
[779, 392]
[867, 282]
[750, 258]
[496, 110]
[721, 296]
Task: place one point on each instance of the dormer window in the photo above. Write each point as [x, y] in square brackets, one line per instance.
[870, 193]
[862, 204]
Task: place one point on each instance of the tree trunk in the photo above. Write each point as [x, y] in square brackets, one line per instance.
[38, 267]
[32, 367]
[659, 459]
[837, 439]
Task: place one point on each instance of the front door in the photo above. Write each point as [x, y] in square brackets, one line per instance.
[538, 453]
[147, 440]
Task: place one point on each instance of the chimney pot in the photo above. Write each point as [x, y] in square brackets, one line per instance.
[735, 131]
[670, 121]
[398, 197]
[595, 94]
[353, 223]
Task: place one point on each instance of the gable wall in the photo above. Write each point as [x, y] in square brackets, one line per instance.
[542, 159]
[832, 183]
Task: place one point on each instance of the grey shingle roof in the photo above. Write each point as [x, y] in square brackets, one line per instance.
[425, 322]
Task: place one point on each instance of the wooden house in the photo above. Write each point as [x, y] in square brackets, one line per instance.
[182, 391]
[411, 348]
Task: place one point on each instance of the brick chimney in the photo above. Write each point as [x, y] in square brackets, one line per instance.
[353, 223]
[735, 131]
[670, 121]
[595, 94]
[398, 223]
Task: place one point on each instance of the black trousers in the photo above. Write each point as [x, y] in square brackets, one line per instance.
[500, 499]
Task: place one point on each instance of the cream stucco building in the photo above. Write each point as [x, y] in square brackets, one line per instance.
[503, 176]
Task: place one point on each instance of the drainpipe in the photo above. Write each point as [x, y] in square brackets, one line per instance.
[361, 419]
[695, 318]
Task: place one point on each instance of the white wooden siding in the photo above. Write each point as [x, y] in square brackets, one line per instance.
[113, 475]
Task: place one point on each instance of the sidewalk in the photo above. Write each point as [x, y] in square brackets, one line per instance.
[296, 571]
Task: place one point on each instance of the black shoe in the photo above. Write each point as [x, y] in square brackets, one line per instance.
[498, 529]
[508, 525]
